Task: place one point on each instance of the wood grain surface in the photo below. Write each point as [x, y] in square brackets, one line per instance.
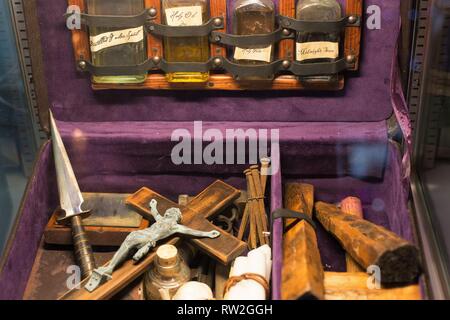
[353, 286]
[371, 245]
[302, 270]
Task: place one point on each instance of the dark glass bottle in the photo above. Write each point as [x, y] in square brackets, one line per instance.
[315, 47]
[253, 17]
[117, 46]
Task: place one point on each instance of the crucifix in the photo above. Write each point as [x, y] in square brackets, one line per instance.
[195, 216]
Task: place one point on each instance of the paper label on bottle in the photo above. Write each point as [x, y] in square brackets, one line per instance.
[116, 38]
[184, 16]
[257, 54]
[317, 50]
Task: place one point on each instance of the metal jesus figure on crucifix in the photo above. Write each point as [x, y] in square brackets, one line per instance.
[143, 240]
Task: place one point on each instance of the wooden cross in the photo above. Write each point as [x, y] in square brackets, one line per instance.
[195, 215]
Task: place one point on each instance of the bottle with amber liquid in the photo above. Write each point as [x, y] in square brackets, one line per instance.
[117, 46]
[317, 47]
[186, 49]
[167, 274]
[253, 17]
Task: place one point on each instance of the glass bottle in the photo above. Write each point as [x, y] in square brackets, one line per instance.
[253, 17]
[117, 46]
[168, 273]
[316, 47]
[186, 49]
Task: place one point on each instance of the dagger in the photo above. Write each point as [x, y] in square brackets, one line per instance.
[71, 201]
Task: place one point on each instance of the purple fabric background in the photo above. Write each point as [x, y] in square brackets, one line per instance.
[325, 139]
[366, 97]
[357, 149]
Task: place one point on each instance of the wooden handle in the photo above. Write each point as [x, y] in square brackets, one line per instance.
[372, 245]
[352, 206]
[82, 248]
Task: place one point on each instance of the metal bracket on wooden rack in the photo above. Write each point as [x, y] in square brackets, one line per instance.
[185, 31]
[287, 29]
[135, 21]
[145, 19]
[238, 71]
[155, 63]
[317, 69]
[319, 26]
[246, 41]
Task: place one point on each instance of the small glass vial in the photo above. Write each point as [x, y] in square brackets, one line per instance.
[186, 49]
[316, 47]
[167, 274]
[116, 46]
[253, 17]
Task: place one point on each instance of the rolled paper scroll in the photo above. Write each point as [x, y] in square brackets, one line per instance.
[253, 274]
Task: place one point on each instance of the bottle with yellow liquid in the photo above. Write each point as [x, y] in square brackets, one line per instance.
[186, 49]
[117, 46]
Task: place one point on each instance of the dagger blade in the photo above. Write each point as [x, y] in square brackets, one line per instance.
[69, 192]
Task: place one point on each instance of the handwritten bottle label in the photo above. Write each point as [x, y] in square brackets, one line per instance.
[257, 54]
[116, 38]
[317, 50]
[184, 16]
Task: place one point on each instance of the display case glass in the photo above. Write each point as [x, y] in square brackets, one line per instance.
[19, 139]
[431, 176]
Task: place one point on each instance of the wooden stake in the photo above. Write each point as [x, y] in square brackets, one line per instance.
[265, 163]
[352, 206]
[302, 271]
[256, 231]
[259, 195]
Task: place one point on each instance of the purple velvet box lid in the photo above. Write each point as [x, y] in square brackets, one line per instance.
[366, 97]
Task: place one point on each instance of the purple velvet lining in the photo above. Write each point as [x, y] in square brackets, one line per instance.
[26, 235]
[357, 149]
[276, 202]
[384, 203]
[366, 98]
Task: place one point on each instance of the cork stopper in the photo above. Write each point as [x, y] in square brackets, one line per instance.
[167, 255]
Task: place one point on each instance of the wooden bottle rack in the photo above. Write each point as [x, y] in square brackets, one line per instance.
[286, 50]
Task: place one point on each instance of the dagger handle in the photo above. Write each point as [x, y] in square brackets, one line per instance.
[82, 248]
